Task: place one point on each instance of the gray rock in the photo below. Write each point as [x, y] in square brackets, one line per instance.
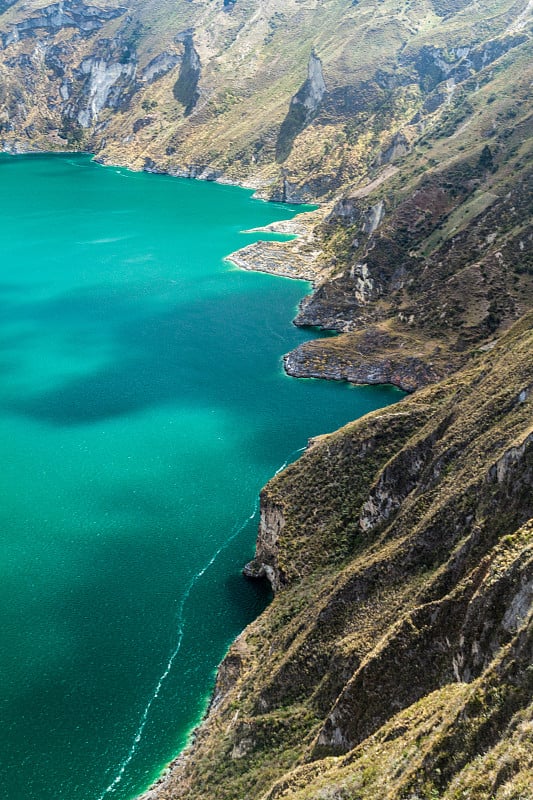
[68, 14]
[373, 218]
[398, 147]
[105, 85]
[159, 66]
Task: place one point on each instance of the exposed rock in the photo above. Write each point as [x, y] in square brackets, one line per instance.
[388, 303]
[266, 562]
[312, 360]
[57, 56]
[373, 218]
[346, 209]
[435, 65]
[67, 14]
[398, 147]
[285, 259]
[106, 84]
[254, 570]
[296, 191]
[159, 66]
[303, 107]
[298, 258]
[364, 284]
[230, 670]
[311, 93]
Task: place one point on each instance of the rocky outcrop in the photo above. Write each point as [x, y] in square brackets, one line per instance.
[76, 14]
[159, 66]
[398, 147]
[400, 549]
[318, 359]
[303, 107]
[457, 64]
[311, 93]
[105, 84]
[373, 218]
[277, 258]
[266, 561]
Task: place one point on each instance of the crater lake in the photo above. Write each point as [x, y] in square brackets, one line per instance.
[143, 405]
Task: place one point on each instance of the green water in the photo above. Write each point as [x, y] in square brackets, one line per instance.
[142, 406]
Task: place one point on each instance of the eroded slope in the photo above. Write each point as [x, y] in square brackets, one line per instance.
[296, 98]
[396, 654]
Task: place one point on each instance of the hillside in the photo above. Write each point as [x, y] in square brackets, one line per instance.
[411, 123]
[297, 98]
[395, 659]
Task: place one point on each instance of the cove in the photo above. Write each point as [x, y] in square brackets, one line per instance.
[143, 405]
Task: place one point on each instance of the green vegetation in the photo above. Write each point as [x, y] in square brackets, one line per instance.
[397, 651]
[395, 659]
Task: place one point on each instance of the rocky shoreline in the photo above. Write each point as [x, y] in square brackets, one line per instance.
[393, 641]
[408, 373]
[297, 258]
[373, 356]
[274, 258]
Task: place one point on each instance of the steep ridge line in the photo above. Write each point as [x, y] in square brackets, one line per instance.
[395, 653]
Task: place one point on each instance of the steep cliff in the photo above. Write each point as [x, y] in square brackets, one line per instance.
[298, 100]
[411, 122]
[446, 269]
[396, 655]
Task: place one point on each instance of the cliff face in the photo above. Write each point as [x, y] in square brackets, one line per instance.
[413, 124]
[297, 100]
[447, 269]
[303, 108]
[397, 650]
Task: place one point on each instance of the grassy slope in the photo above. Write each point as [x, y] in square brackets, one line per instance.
[397, 653]
[253, 59]
[450, 263]
[395, 659]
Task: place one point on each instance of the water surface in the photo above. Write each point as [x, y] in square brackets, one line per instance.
[142, 406]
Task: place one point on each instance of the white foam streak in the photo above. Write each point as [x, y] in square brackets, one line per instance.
[181, 608]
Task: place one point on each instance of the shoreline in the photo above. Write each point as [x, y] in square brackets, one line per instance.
[273, 258]
[196, 172]
[297, 258]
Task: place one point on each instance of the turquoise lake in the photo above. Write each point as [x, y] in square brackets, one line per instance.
[143, 405]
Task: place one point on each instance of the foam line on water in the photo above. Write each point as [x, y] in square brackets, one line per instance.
[181, 608]
[144, 716]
